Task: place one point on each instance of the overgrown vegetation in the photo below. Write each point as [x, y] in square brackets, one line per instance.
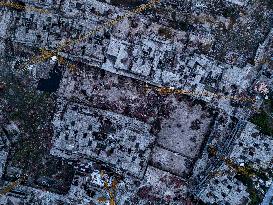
[33, 111]
[165, 32]
[129, 3]
[245, 175]
[264, 120]
[183, 25]
[255, 198]
[231, 12]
